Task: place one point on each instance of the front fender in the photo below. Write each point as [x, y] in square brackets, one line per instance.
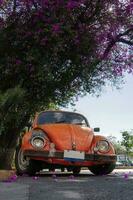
[97, 138]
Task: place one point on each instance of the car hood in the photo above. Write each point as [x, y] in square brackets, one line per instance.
[69, 136]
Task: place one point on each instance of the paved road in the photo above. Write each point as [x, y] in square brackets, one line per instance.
[116, 186]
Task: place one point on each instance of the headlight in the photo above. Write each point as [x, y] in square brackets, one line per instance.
[38, 142]
[39, 138]
[103, 146]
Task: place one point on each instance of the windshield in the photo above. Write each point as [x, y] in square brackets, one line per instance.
[49, 117]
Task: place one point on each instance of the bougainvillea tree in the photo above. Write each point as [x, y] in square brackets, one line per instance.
[53, 50]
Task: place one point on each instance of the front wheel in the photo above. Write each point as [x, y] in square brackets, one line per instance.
[102, 169]
[76, 171]
[21, 162]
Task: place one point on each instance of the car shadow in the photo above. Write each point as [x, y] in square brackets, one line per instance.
[87, 173]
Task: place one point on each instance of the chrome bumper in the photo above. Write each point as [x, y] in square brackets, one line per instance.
[60, 155]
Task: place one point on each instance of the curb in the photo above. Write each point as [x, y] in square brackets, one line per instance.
[6, 174]
[124, 167]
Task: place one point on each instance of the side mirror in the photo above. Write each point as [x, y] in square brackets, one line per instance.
[96, 129]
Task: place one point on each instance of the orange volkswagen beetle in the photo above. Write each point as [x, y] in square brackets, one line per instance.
[64, 140]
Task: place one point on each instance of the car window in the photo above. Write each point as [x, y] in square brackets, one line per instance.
[61, 117]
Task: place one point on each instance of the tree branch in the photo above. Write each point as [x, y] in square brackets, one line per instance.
[109, 47]
[125, 41]
[126, 32]
[118, 39]
[14, 5]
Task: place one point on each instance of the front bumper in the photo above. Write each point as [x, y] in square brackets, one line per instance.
[60, 155]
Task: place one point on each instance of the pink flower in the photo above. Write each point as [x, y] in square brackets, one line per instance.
[126, 176]
[56, 28]
[71, 177]
[54, 176]
[18, 62]
[72, 4]
[11, 179]
[1, 2]
[44, 41]
[35, 178]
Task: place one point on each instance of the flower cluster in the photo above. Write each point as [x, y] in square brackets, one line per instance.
[95, 35]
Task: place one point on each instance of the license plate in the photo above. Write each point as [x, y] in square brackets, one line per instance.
[70, 155]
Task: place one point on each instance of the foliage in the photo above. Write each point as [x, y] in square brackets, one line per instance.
[13, 110]
[56, 49]
[119, 148]
[127, 140]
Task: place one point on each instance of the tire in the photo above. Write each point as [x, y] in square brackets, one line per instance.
[33, 167]
[76, 171]
[21, 163]
[62, 169]
[102, 169]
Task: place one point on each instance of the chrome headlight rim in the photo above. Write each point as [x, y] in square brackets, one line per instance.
[39, 133]
[41, 139]
[98, 146]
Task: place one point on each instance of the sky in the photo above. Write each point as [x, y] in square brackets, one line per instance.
[112, 111]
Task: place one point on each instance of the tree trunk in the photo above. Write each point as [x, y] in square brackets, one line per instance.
[6, 159]
[8, 144]
[9, 141]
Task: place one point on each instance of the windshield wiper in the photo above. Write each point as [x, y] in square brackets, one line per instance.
[62, 121]
[80, 123]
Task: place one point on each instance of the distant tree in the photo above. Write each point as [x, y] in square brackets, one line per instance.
[127, 141]
[52, 50]
[112, 139]
[119, 148]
